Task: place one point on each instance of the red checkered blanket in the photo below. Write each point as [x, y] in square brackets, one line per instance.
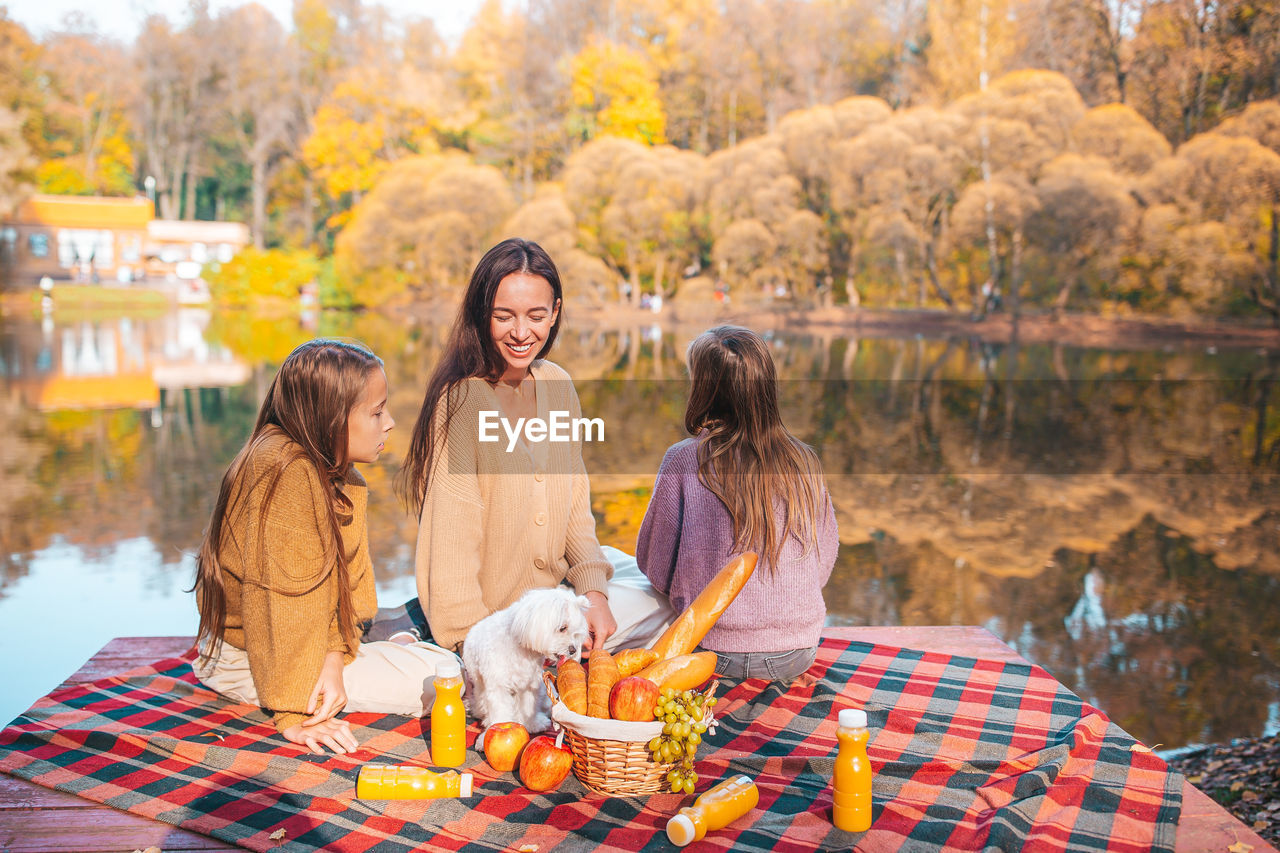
[968, 754]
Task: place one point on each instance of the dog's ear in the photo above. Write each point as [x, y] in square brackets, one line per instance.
[584, 603]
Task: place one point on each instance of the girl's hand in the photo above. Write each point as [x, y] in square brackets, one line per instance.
[600, 621]
[335, 734]
[329, 695]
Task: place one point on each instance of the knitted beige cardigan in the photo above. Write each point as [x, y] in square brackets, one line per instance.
[496, 523]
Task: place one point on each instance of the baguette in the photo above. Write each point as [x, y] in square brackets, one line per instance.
[696, 620]
[571, 684]
[682, 672]
[602, 674]
[631, 661]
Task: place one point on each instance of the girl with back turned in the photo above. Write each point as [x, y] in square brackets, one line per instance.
[742, 483]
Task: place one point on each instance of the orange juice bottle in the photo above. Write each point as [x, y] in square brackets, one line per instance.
[448, 717]
[715, 809]
[852, 809]
[408, 782]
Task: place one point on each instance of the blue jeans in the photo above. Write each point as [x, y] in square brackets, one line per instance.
[773, 666]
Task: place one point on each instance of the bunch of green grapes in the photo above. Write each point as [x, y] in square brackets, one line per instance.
[682, 728]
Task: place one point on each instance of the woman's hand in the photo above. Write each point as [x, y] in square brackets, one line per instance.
[329, 696]
[600, 621]
[335, 734]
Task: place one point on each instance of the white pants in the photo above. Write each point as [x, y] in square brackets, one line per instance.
[384, 678]
[642, 613]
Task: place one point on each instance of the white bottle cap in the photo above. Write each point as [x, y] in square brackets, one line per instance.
[680, 830]
[448, 669]
[853, 718]
[464, 786]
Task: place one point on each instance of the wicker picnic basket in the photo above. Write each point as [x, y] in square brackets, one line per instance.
[612, 757]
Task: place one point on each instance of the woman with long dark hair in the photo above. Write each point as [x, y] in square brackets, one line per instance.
[499, 515]
[742, 483]
[284, 583]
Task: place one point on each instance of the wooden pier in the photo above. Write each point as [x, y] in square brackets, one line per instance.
[38, 820]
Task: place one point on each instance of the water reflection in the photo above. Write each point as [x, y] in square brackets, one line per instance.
[1111, 514]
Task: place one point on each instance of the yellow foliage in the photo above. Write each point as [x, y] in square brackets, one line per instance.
[255, 275]
[614, 90]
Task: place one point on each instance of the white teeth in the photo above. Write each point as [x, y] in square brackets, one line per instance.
[523, 348]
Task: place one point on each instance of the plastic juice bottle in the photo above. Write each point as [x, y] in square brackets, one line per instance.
[409, 782]
[715, 809]
[448, 718]
[852, 809]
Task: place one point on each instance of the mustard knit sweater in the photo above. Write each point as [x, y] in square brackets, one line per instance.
[496, 523]
[282, 594]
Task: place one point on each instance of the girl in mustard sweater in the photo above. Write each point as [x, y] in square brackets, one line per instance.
[284, 582]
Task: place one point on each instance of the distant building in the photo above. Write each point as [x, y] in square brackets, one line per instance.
[92, 239]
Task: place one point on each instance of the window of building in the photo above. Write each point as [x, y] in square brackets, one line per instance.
[38, 245]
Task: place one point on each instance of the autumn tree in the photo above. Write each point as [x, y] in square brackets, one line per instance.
[90, 151]
[1084, 220]
[175, 112]
[547, 220]
[614, 92]
[257, 63]
[21, 113]
[421, 228]
[970, 42]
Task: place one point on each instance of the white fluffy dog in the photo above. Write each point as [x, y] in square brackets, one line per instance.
[505, 652]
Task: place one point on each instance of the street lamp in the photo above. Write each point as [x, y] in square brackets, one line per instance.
[150, 183]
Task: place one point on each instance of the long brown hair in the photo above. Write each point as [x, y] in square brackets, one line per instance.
[471, 352]
[309, 400]
[746, 457]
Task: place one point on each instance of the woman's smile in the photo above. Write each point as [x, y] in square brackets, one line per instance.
[523, 314]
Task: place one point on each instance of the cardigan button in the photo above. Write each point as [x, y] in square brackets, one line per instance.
[539, 563]
[540, 519]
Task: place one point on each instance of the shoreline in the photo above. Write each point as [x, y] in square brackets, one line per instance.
[1082, 330]
[1243, 776]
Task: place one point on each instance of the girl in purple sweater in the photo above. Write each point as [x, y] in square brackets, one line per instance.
[742, 483]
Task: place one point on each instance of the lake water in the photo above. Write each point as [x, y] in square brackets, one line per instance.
[1113, 515]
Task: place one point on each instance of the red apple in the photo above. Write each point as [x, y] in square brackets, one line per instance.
[633, 699]
[503, 743]
[544, 763]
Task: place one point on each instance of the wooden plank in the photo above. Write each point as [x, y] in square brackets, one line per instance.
[96, 829]
[38, 819]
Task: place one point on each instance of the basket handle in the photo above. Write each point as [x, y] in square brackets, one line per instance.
[550, 681]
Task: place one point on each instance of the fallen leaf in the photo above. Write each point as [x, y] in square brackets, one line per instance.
[277, 835]
[1249, 796]
[1137, 747]
[1240, 847]
[528, 848]
[1259, 825]
[1237, 786]
[1195, 780]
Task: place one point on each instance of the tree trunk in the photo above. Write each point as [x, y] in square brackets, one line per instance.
[309, 210]
[1015, 274]
[931, 266]
[259, 224]
[189, 206]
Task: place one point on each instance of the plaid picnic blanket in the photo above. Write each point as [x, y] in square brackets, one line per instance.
[968, 754]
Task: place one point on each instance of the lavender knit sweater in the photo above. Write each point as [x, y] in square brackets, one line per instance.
[687, 536]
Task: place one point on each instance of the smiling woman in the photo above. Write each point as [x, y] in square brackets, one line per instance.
[495, 522]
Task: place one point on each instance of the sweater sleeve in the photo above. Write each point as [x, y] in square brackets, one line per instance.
[658, 542]
[589, 569]
[290, 588]
[448, 557]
